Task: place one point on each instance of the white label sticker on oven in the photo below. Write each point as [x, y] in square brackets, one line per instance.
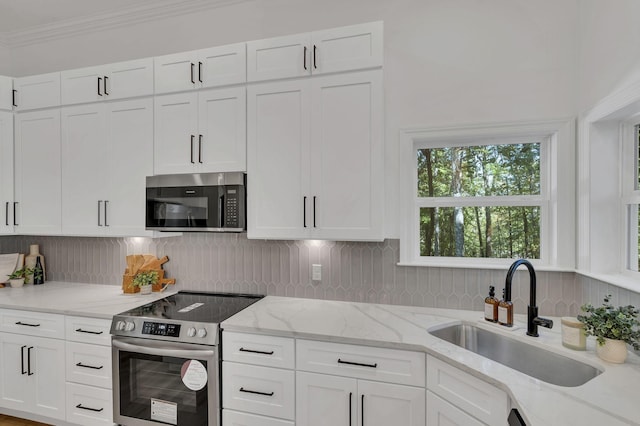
[164, 411]
[191, 307]
[194, 375]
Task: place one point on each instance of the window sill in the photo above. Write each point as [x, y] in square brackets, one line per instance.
[619, 280]
[497, 264]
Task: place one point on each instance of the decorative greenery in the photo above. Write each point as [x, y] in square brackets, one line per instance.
[143, 278]
[613, 323]
[20, 273]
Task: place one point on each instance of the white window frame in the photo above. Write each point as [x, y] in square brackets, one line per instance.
[630, 195]
[556, 199]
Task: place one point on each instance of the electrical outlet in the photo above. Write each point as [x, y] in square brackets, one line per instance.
[316, 272]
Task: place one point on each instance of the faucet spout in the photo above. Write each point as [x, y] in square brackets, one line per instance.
[533, 320]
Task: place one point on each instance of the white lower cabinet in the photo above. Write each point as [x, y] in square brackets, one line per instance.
[443, 413]
[88, 405]
[236, 418]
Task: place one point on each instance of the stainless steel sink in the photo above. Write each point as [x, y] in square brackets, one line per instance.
[528, 359]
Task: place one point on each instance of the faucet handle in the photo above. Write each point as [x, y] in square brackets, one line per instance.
[544, 322]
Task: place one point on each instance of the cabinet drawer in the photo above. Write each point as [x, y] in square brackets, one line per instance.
[258, 349]
[259, 390]
[478, 398]
[87, 405]
[32, 323]
[88, 330]
[362, 362]
[440, 412]
[89, 364]
[235, 418]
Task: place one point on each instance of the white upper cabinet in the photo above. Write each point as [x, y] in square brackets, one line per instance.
[217, 66]
[6, 93]
[339, 49]
[6, 173]
[201, 131]
[37, 91]
[113, 81]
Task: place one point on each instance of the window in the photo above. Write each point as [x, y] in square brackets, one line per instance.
[631, 196]
[485, 195]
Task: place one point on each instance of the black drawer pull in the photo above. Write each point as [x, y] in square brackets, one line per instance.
[253, 351]
[79, 330]
[27, 324]
[97, 410]
[256, 392]
[88, 366]
[357, 363]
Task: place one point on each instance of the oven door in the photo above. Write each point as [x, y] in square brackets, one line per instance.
[160, 383]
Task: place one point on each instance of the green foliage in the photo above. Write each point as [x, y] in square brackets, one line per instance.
[20, 273]
[613, 323]
[145, 278]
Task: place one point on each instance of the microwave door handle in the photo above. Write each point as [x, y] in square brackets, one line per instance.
[177, 353]
[221, 211]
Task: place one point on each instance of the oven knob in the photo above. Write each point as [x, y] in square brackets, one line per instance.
[129, 326]
[120, 325]
[202, 332]
[191, 332]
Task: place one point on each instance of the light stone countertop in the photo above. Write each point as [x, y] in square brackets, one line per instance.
[612, 398]
[91, 300]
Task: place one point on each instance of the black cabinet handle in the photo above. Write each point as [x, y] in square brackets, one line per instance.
[99, 212]
[15, 222]
[304, 58]
[79, 330]
[314, 211]
[99, 86]
[192, 80]
[13, 97]
[106, 203]
[88, 366]
[192, 138]
[105, 85]
[200, 72]
[27, 324]
[256, 392]
[315, 67]
[357, 363]
[362, 410]
[6, 213]
[22, 359]
[29, 361]
[253, 351]
[97, 410]
[350, 408]
[304, 211]
[200, 149]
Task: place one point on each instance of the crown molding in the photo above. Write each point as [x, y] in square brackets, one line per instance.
[148, 11]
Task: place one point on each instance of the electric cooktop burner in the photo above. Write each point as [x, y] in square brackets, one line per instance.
[191, 317]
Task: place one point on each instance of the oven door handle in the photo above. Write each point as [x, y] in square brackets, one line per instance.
[177, 353]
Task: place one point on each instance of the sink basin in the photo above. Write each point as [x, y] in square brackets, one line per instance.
[528, 359]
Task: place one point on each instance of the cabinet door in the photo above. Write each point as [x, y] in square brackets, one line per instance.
[48, 368]
[176, 133]
[279, 57]
[6, 93]
[222, 65]
[37, 173]
[38, 91]
[82, 85]
[175, 73]
[383, 404]
[222, 137]
[347, 48]
[15, 386]
[84, 168]
[442, 413]
[130, 138]
[347, 156]
[129, 79]
[6, 172]
[325, 400]
[278, 201]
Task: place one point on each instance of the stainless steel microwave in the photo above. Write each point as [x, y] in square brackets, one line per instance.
[213, 202]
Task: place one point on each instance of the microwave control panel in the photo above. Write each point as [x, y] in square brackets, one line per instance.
[161, 329]
[231, 209]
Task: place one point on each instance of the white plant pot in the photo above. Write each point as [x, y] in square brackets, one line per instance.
[16, 282]
[614, 351]
[145, 289]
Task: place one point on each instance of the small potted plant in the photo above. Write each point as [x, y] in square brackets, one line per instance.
[613, 328]
[16, 279]
[144, 280]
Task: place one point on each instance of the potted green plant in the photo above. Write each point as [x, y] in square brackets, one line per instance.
[613, 328]
[16, 279]
[144, 280]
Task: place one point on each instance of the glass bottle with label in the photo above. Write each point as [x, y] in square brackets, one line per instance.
[505, 312]
[491, 306]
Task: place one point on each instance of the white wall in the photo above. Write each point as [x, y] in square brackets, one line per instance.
[446, 62]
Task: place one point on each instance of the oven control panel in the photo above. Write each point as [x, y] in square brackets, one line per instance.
[161, 329]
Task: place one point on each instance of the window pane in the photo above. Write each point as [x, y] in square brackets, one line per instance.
[496, 231]
[479, 170]
[637, 152]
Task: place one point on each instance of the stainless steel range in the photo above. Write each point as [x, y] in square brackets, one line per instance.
[166, 359]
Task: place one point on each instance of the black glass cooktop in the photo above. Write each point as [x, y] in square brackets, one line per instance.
[200, 307]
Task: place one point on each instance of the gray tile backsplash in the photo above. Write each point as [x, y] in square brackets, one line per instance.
[351, 271]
